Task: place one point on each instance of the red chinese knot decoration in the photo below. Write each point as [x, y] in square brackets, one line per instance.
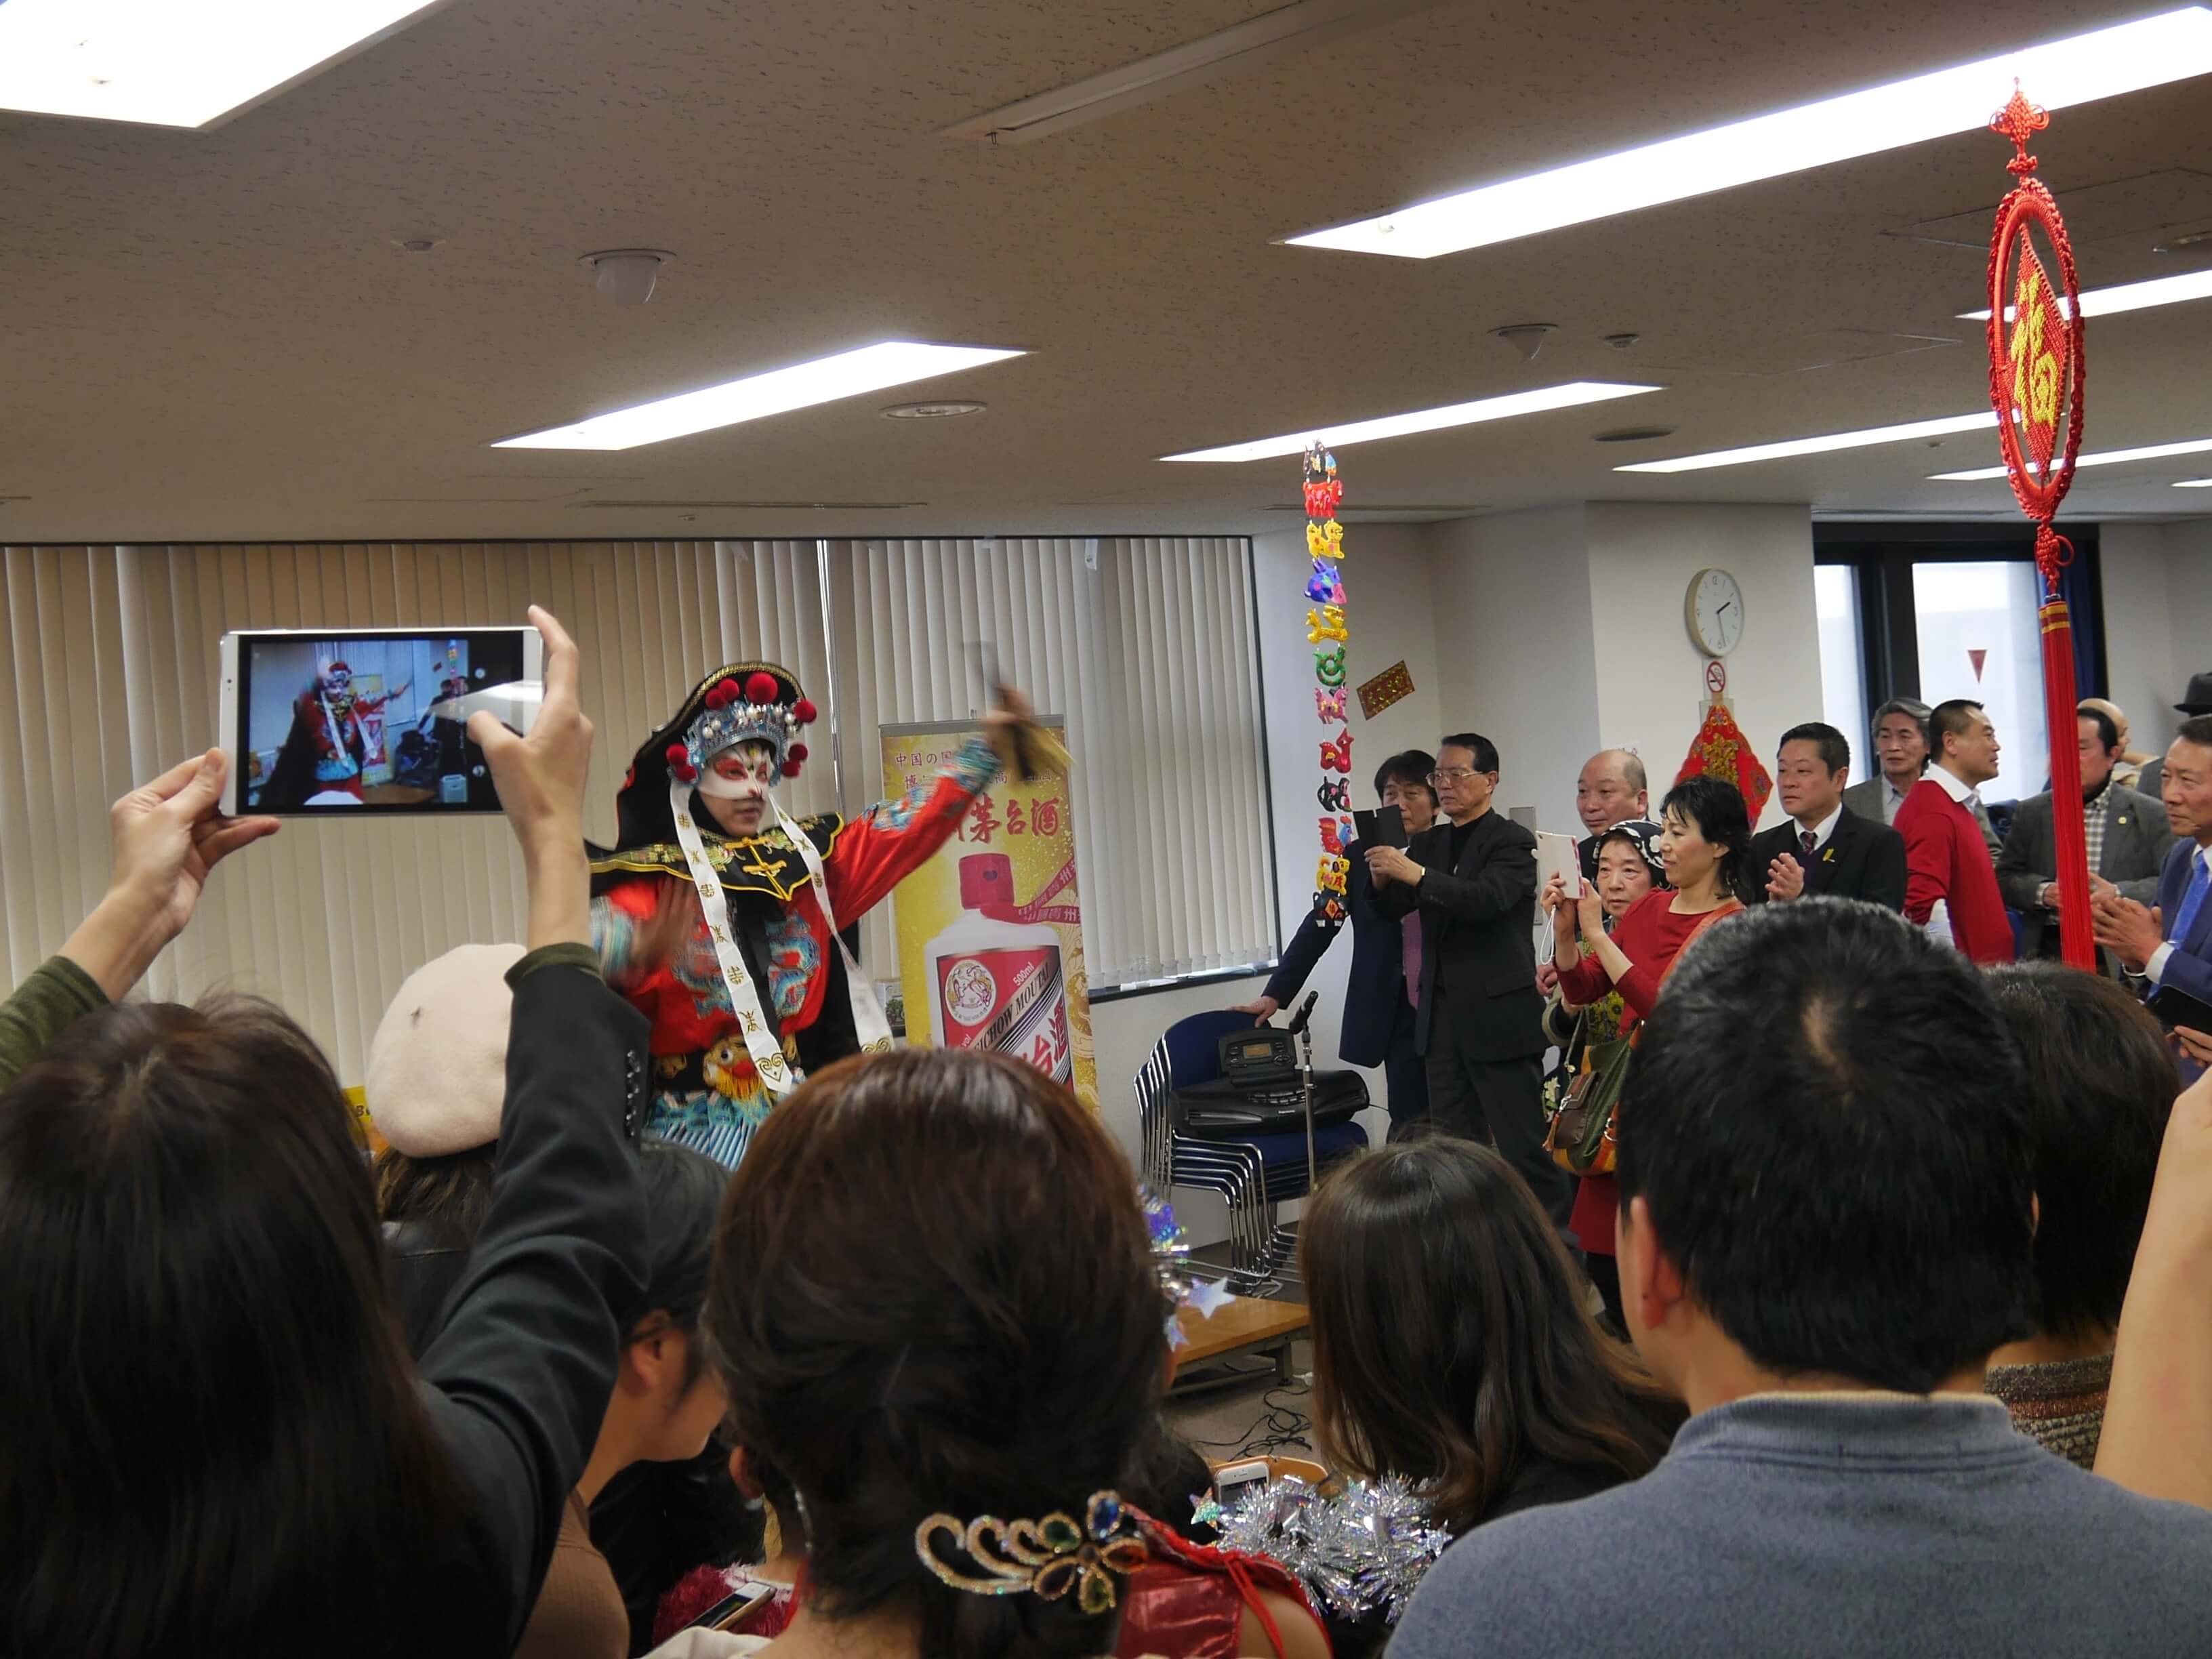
[2037, 378]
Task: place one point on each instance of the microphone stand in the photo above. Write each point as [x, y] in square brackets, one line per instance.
[1305, 1072]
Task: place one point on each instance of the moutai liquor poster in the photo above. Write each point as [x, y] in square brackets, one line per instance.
[990, 929]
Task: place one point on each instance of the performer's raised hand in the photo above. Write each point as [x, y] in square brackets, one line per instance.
[168, 835]
[1005, 724]
[540, 780]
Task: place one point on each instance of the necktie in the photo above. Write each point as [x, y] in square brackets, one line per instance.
[2192, 901]
[1410, 957]
[1808, 840]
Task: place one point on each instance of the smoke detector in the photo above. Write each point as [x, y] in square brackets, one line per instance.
[626, 275]
[938, 410]
[1527, 338]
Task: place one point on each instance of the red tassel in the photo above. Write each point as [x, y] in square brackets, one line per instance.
[2059, 704]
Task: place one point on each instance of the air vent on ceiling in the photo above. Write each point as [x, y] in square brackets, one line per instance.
[1240, 46]
[756, 506]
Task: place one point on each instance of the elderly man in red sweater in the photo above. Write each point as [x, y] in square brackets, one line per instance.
[1950, 883]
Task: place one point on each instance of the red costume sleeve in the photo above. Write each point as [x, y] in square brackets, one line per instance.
[877, 850]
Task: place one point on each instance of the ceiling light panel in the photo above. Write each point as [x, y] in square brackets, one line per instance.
[2108, 458]
[2193, 483]
[847, 374]
[1422, 420]
[170, 63]
[1943, 427]
[2102, 63]
[2126, 296]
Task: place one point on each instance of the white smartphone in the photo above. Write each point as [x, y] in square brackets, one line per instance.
[1555, 856]
[328, 721]
[1232, 1481]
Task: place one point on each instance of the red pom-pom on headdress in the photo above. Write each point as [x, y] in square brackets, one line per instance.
[796, 752]
[791, 769]
[804, 711]
[760, 687]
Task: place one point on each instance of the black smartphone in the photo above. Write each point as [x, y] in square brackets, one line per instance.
[1383, 827]
[2175, 1007]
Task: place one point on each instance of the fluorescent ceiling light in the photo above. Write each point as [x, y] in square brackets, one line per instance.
[1421, 420]
[2126, 296]
[177, 62]
[1873, 434]
[2109, 457]
[2100, 64]
[2194, 483]
[847, 374]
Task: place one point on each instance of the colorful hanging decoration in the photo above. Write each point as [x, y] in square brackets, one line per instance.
[2037, 377]
[1327, 634]
[1721, 751]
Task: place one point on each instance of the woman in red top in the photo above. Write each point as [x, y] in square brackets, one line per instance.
[1706, 850]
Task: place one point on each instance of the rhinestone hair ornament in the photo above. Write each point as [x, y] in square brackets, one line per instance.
[1049, 1557]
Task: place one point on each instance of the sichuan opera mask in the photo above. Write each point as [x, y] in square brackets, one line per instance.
[743, 741]
[336, 686]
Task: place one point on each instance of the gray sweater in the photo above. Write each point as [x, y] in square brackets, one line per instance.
[1820, 1525]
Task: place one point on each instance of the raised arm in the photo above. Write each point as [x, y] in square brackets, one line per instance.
[167, 836]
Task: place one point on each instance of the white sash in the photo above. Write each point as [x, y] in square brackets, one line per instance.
[869, 1025]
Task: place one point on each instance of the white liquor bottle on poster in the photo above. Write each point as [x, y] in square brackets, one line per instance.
[998, 983]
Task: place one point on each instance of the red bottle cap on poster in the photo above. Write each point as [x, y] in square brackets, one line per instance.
[985, 879]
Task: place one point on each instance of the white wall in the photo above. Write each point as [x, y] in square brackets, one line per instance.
[1515, 660]
[1649, 674]
[2157, 620]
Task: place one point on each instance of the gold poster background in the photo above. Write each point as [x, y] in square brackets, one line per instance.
[928, 900]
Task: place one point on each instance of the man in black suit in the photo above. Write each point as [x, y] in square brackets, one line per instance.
[1824, 848]
[1378, 1024]
[1478, 1021]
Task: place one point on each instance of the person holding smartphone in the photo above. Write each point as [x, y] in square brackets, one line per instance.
[1379, 993]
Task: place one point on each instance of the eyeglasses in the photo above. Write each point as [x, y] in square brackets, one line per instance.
[1456, 774]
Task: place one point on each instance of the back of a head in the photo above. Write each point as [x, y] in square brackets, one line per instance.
[211, 1430]
[2100, 1084]
[1450, 1341]
[1827, 1124]
[933, 1294]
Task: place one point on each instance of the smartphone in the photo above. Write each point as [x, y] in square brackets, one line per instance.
[325, 722]
[1232, 1481]
[730, 1612]
[1383, 827]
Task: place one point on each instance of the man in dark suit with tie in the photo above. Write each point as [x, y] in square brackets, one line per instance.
[1824, 848]
[2127, 835]
[1378, 1024]
[2171, 947]
[1471, 880]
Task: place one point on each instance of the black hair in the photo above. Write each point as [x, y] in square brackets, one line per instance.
[1835, 751]
[2108, 734]
[211, 1434]
[1716, 807]
[933, 1294]
[1411, 766]
[1484, 750]
[683, 1198]
[1452, 1346]
[2197, 729]
[1830, 1132]
[2100, 1082]
[1953, 719]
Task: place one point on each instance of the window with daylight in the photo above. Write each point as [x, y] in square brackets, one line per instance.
[1144, 646]
[1842, 664]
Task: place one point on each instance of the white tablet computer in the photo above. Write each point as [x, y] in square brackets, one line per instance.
[331, 721]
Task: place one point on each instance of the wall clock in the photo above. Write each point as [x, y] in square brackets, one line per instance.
[1714, 607]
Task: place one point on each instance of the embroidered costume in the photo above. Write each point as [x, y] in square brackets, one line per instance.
[760, 991]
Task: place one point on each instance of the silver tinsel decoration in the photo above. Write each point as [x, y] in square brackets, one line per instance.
[1358, 1553]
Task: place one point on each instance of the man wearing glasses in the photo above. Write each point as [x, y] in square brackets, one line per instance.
[1479, 1020]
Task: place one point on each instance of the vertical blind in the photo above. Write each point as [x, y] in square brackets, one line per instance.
[1145, 645]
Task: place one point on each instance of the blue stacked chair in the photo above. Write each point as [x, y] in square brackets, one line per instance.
[1252, 1175]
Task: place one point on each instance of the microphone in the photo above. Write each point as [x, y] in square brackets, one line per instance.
[1304, 1013]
